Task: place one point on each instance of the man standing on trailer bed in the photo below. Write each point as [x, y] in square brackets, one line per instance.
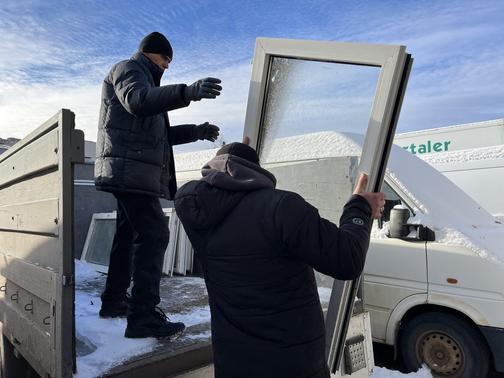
[257, 246]
[135, 163]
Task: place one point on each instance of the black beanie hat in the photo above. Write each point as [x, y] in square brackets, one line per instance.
[241, 150]
[156, 43]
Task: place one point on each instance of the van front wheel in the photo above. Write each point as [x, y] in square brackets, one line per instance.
[448, 345]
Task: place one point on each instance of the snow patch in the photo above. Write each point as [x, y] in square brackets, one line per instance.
[311, 146]
[197, 315]
[462, 156]
[199, 336]
[450, 236]
[380, 233]
[107, 335]
[294, 148]
[380, 372]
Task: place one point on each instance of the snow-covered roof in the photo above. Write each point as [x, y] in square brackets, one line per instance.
[462, 156]
[300, 147]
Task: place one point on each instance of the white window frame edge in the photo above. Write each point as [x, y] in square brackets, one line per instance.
[392, 60]
[91, 229]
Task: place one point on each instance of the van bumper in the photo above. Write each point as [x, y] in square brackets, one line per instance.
[495, 339]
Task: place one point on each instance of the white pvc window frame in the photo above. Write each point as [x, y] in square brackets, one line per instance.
[394, 64]
[92, 228]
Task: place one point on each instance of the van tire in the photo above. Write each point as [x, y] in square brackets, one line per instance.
[447, 344]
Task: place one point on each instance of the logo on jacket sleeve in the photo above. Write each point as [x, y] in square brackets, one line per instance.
[358, 221]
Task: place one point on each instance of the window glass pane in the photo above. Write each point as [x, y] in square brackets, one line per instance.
[389, 193]
[325, 100]
[314, 114]
[315, 118]
[98, 251]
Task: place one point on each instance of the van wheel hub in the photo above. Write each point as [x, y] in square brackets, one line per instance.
[441, 353]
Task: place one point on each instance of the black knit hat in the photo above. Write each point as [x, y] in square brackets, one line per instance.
[156, 43]
[241, 150]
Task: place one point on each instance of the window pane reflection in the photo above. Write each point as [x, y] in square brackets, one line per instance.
[315, 118]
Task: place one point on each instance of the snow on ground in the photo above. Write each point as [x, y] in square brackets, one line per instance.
[197, 315]
[107, 335]
[379, 372]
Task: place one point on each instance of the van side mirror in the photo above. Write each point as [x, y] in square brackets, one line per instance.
[400, 229]
[398, 222]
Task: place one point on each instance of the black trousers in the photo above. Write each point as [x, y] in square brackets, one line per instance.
[138, 249]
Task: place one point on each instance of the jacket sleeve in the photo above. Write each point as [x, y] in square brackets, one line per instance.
[139, 98]
[181, 134]
[337, 252]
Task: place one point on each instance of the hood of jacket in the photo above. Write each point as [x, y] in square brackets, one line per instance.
[226, 180]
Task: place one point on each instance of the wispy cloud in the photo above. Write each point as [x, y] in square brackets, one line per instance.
[56, 54]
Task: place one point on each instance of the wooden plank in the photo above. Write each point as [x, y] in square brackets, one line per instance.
[36, 280]
[32, 342]
[40, 154]
[38, 216]
[36, 249]
[36, 188]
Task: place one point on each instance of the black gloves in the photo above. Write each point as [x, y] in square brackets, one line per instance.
[203, 88]
[207, 131]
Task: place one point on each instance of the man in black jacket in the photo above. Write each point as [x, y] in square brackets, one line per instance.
[135, 162]
[257, 245]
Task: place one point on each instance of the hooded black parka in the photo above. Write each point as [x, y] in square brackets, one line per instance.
[257, 246]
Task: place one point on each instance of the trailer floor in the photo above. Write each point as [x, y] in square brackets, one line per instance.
[102, 349]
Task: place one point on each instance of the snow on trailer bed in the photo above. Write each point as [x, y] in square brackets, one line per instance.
[102, 349]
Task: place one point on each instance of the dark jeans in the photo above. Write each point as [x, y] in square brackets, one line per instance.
[139, 244]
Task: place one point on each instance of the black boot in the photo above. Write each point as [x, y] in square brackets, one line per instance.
[152, 323]
[115, 308]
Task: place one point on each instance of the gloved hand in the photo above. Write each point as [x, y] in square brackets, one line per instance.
[204, 88]
[207, 131]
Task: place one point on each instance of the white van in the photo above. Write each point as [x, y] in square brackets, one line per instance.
[471, 155]
[439, 301]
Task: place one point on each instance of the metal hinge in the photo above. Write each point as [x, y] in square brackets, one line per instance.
[68, 280]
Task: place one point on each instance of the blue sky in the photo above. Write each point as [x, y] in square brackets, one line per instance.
[55, 54]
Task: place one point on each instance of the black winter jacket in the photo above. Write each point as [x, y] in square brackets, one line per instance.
[134, 144]
[258, 245]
